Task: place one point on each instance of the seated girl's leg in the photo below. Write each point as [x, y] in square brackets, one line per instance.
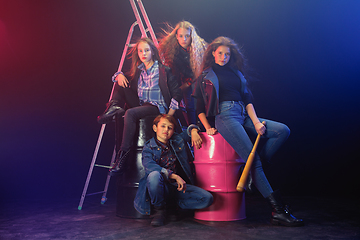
[131, 98]
[131, 118]
[194, 198]
[113, 106]
[274, 137]
[156, 188]
[229, 124]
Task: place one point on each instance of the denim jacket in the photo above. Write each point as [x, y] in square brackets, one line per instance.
[151, 155]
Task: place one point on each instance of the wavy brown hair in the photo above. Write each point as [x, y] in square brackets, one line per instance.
[135, 60]
[237, 59]
[169, 45]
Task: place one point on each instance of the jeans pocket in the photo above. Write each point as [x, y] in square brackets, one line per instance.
[225, 106]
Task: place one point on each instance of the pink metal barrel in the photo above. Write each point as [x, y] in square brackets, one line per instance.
[217, 171]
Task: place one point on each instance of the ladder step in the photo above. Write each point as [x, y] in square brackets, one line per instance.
[103, 166]
[94, 193]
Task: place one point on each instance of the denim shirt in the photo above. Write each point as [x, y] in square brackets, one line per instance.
[152, 152]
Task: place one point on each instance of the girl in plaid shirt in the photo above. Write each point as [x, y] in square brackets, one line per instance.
[150, 90]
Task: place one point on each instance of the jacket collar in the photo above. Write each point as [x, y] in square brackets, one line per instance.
[153, 143]
[211, 76]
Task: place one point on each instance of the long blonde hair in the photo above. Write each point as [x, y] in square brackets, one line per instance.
[169, 45]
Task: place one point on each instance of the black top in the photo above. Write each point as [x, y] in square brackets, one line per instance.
[181, 65]
[229, 83]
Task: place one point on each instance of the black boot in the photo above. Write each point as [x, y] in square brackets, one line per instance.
[111, 110]
[119, 165]
[280, 212]
[159, 217]
[249, 182]
[172, 211]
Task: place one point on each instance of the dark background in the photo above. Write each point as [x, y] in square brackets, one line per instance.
[57, 59]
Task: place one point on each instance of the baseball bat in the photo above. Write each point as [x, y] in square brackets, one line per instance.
[242, 181]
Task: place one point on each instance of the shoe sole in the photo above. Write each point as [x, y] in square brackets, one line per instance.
[279, 223]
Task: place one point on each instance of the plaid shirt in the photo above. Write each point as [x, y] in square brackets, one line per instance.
[149, 89]
[167, 158]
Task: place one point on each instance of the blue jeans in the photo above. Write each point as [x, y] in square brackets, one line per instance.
[160, 191]
[234, 125]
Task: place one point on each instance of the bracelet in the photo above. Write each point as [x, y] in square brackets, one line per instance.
[190, 128]
[257, 123]
[115, 75]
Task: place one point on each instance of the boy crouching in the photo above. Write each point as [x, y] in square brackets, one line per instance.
[168, 172]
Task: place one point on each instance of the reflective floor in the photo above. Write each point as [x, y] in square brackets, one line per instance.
[325, 218]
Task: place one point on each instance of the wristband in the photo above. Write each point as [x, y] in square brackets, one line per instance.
[115, 75]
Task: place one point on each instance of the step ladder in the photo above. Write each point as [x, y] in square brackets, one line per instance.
[144, 32]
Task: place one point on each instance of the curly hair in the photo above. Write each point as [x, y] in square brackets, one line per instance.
[237, 59]
[169, 45]
[135, 60]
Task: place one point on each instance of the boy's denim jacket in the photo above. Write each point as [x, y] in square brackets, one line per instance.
[151, 155]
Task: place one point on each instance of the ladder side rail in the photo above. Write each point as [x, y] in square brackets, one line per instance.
[127, 44]
[104, 125]
[103, 198]
[147, 21]
[143, 32]
[138, 18]
[123, 56]
[91, 166]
